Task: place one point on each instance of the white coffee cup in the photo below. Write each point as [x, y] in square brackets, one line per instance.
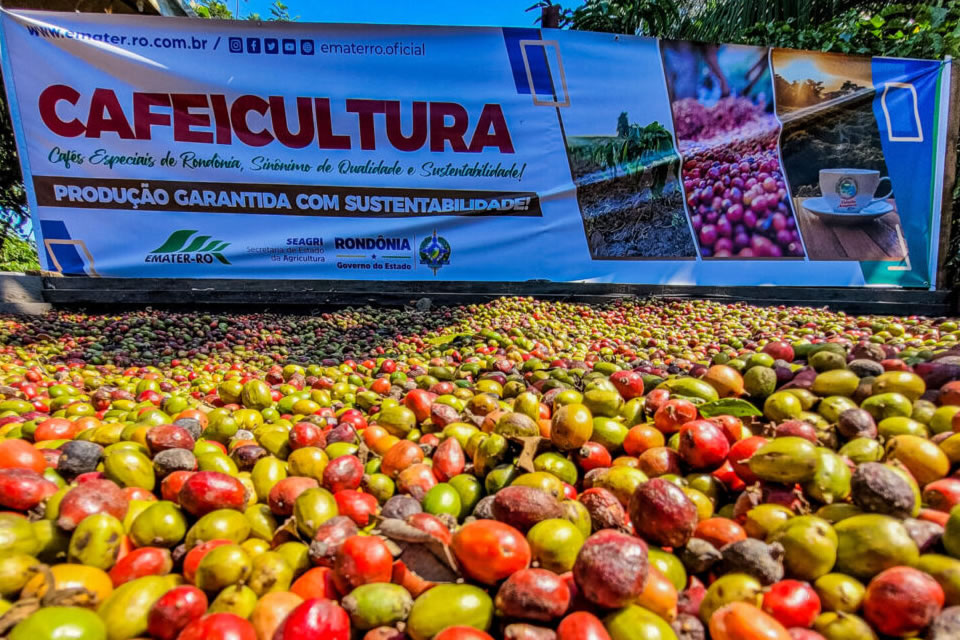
[851, 190]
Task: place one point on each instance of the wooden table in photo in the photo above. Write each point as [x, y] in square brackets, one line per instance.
[877, 239]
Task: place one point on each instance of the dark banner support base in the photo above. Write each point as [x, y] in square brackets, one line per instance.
[313, 293]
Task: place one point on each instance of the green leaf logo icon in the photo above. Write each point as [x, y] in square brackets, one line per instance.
[177, 243]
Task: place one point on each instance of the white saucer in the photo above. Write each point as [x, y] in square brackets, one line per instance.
[820, 208]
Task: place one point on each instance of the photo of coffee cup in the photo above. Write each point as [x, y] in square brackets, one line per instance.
[851, 190]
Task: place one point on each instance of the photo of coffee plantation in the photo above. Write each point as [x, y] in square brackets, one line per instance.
[628, 192]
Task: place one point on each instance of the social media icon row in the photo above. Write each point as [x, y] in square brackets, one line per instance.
[288, 46]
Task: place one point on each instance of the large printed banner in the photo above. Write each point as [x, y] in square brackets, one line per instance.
[183, 148]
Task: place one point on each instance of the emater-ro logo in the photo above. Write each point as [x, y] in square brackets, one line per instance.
[182, 248]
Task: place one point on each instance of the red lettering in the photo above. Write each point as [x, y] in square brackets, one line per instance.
[184, 120]
[278, 113]
[238, 116]
[221, 116]
[417, 137]
[491, 115]
[48, 110]
[207, 119]
[325, 136]
[365, 109]
[107, 115]
[441, 131]
[143, 118]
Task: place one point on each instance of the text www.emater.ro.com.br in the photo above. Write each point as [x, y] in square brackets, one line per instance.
[246, 44]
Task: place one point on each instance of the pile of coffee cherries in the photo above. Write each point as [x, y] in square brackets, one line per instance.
[521, 469]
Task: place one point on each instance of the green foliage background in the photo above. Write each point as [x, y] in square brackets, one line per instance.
[18, 255]
[219, 10]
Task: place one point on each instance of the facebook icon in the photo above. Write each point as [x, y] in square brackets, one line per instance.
[253, 45]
